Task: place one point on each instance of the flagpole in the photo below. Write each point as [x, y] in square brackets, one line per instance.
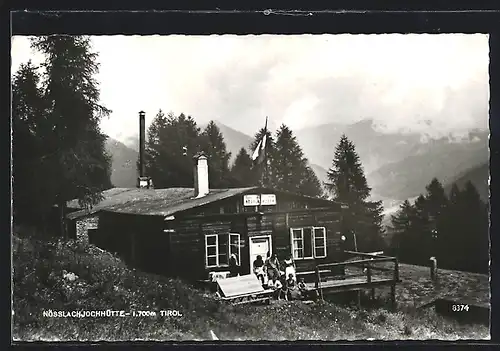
[265, 178]
[263, 168]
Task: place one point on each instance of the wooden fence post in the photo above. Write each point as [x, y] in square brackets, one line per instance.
[393, 296]
[396, 270]
[369, 280]
[318, 283]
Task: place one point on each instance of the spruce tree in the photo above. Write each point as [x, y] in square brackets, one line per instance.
[449, 241]
[346, 179]
[436, 199]
[347, 184]
[310, 184]
[265, 172]
[74, 146]
[242, 171]
[403, 240]
[214, 147]
[172, 143]
[292, 172]
[290, 163]
[31, 200]
[425, 230]
[475, 228]
[436, 202]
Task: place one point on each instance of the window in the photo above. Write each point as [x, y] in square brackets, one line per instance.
[309, 242]
[234, 246]
[319, 242]
[219, 247]
[211, 246]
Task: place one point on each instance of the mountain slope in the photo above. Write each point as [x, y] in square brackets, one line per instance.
[374, 147]
[397, 165]
[441, 158]
[479, 177]
[124, 158]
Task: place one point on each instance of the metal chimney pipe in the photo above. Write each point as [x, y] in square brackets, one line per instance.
[142, 137]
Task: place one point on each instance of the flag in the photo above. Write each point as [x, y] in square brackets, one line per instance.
[260, 150]
[213, 336]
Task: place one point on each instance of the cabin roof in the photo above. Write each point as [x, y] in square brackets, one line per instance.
[162, 202]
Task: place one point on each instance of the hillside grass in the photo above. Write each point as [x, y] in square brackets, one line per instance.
[104, 282]
[417, 288]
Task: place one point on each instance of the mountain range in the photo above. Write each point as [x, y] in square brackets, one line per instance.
[397, 165]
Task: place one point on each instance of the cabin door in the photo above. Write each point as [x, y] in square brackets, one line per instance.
[259, 245]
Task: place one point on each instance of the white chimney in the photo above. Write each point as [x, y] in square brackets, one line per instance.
[201, 177]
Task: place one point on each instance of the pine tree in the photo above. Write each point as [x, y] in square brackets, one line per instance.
[402, 220]
[436, 199]
[74, 146]
[291, 169]
[310, 184]
[435, 207]
[265, 172]
[167, 162]
[347, 184]
[242, 171]
[289, 164]
[31, 196]
[403, 241]
[475, 225]
[347, 181]
[449, 243]
[218, 157]
[425, 230]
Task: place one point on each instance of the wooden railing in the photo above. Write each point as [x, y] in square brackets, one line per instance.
[368, 263]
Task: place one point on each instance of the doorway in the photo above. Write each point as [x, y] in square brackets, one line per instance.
[259, 245]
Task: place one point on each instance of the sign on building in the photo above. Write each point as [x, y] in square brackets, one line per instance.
[268, 199]
[256, 200]
[251, 200]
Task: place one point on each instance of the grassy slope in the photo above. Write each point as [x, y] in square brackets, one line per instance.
[417, 288]
[106, 283]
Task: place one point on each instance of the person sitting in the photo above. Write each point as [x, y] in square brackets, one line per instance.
[290, 267]
[277, 286]
[302, 284]
[293, 291]
[258, 268]
[302, 287]
[272, 267]
[234, 268]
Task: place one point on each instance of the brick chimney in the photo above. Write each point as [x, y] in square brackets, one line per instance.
[201, 187]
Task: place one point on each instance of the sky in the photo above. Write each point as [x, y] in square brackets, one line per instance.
[416, 82]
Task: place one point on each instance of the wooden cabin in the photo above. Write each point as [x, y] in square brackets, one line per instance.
[191, 232]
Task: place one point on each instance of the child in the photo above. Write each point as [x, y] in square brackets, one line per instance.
[278, 288]
[293, 291]
[302, 284]
[290, 267]
[302, 288]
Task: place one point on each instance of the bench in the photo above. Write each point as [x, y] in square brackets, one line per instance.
[243, 289]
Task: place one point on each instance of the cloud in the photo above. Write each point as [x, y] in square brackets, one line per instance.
[401, 81]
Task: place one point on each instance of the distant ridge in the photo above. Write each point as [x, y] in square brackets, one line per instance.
[397, 165]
